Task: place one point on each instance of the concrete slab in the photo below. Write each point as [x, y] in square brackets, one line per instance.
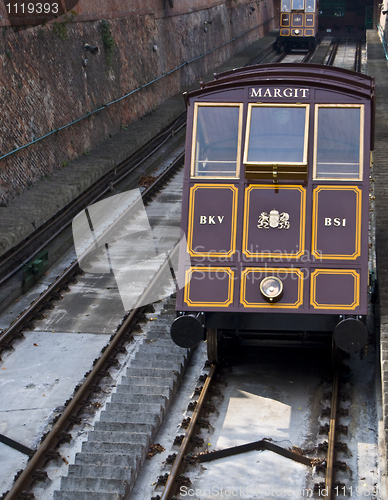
[45, 382]
[94, 306]
[11, 461]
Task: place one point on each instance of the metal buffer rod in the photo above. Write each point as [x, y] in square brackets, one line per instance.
[261, 445]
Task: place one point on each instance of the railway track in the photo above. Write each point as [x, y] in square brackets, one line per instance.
[342, 53]
[70, 416]
[253, 427]
[55, 297]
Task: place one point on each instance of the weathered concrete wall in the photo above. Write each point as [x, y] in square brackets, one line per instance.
[47, 80]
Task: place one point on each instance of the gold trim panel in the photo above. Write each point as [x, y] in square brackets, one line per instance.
[285, 32]
[188, 276]
[268, 271]
[302, 224]
[293, 15]
[285, 20]
[357, 236]
[356, 288]
[232, 249]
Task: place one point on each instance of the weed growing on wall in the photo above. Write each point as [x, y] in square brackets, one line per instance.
[60, 30]
[107, 41]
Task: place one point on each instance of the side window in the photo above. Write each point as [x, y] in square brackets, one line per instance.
[286, 6]
[276, 141]
[216, 140]
[338, 141]
[310, 5]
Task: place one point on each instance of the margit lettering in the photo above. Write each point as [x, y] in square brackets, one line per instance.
[290, 93]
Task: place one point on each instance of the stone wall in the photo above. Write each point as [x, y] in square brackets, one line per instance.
[48, 80]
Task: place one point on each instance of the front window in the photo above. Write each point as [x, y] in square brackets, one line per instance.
[276, 134]
[216, 140]
[297, 4]
[286, 5]
[338, 142]
[310, 5]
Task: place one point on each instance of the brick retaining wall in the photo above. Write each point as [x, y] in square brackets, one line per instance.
[47, 80]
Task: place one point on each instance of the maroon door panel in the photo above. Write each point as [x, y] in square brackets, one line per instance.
[309, 20]
[285, 20]
[336, 231]
[274, 221]
[337, 289]
[297, 20]
[209, 287]
[212, 220]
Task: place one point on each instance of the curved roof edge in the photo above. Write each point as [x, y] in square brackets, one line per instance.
[318, 75]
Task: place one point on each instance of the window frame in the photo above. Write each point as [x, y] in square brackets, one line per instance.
[286, 11]
[311, 11]
[252, 105]
[198, 105]
[361, 107]
[294, 8]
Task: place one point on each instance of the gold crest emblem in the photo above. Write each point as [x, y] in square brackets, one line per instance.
[274, 219]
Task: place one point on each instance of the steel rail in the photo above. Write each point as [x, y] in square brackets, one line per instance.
[265, 53]
[39, 459]
[331, 452]
[333, 53]
[178, 462]
[33, 308]
[309, 55]
[358, 57]
[21, 253]
[279, 58]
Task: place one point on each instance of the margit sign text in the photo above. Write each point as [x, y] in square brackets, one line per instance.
[288, 92]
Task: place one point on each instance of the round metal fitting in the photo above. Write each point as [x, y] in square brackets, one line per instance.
[187, 331]
[271, 288]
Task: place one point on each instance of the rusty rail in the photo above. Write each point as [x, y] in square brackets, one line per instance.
[333, 54]
[55, 436]
[171, 484]
[260, 57]
[331, 452]
[358, 57]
